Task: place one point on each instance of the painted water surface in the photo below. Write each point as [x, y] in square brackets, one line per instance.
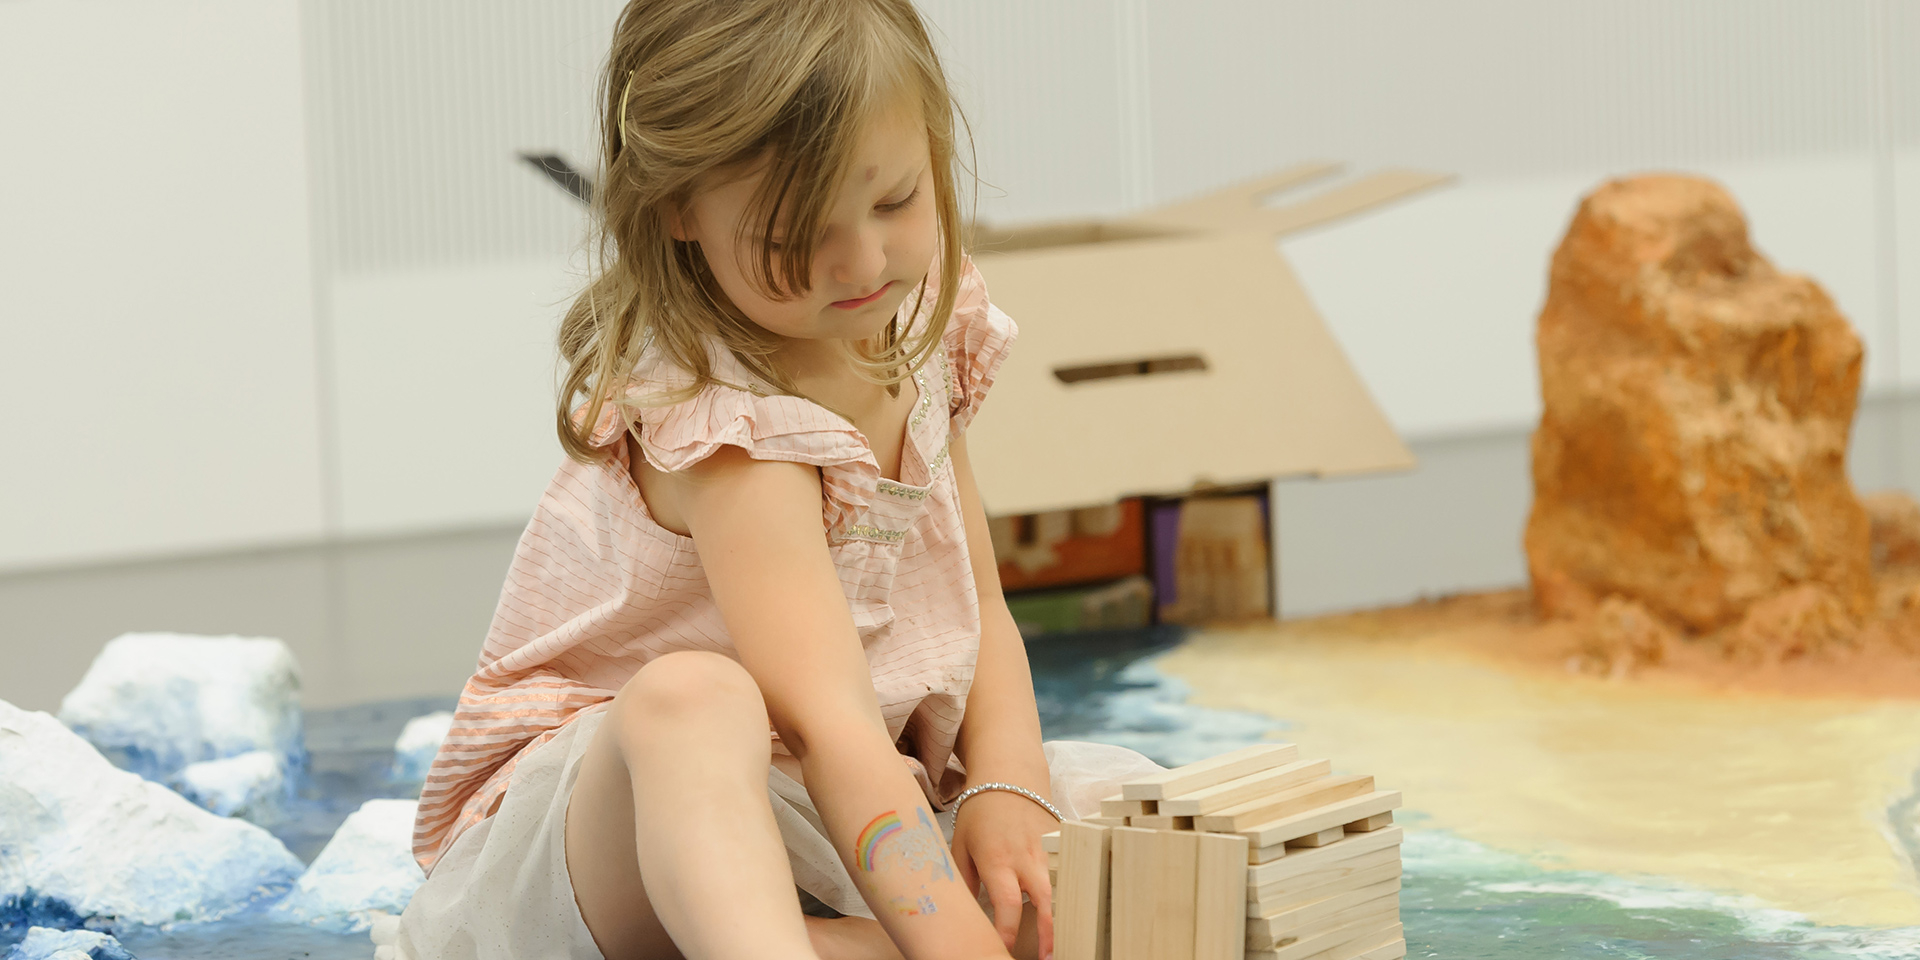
[1462, 899]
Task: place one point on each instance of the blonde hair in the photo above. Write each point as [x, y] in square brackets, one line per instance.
[692, 87]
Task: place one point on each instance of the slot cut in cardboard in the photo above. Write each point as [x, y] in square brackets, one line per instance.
[1130, 368]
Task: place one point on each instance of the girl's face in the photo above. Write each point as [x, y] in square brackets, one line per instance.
[880, 237]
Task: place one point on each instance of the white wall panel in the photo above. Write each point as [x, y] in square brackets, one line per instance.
[1500, 87]
[1435, 299]
[426, 105]
[444, 393]
[156, 341]
[1044, 85]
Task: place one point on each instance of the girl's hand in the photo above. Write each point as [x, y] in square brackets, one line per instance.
[996, 841]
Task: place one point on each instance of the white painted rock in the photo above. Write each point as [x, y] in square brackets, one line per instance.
[46, 943]
[413, 753]
[252, 786]
[155, 702]
[367, 868]
[105, 843]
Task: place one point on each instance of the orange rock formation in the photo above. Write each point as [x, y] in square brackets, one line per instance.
[1692, 451]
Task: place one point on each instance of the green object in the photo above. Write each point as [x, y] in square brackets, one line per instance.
[1106, 606]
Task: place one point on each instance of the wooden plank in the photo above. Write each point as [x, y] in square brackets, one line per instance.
[1391, 950]
[1050, 842]
[1242, 790]
[1302, 862]
[1161, 823]
[1368, 913]
[1206, 773]
[1155, 880]
[1344, 812]
[1257, 855]
[1105, 821]
[1335, 872]
[1286, 924]
[1220, 924]
[1303, 798]
[1366, 877]
[1135, 858]
[1356, 943]
[1080, 896]
[1320, 839]
[1117, 807]
[1178, 880]
[1370, 824]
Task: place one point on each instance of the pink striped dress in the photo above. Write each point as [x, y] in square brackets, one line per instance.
[597, 588]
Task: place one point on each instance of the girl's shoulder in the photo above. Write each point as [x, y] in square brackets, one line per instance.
[977, 341]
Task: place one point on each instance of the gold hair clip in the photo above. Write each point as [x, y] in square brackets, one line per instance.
[624, 93]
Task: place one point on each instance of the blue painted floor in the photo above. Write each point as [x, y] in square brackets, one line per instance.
[1462, 901]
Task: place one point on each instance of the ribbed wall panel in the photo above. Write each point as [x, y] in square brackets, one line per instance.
[1074, 113]
[1502, 87]
[427, 104]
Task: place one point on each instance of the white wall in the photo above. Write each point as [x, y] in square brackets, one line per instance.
[388, 358]
[156, 283]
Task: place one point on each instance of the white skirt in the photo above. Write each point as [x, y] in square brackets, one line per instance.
[502, 890]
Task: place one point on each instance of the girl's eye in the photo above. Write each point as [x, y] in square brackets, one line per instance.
[903, 204]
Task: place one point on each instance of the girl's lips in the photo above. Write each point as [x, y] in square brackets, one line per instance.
[863, 301]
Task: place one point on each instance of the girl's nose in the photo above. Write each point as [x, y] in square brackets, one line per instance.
[861, 257]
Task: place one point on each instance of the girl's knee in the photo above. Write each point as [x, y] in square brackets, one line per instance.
[690, 685]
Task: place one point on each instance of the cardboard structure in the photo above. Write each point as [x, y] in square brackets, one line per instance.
[1174, 349]
[1252, 855]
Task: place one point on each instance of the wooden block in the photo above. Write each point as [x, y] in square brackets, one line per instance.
[1303, 798]
[1320, 891]
[1155, 879]
[1050, 842]
[1303, 862]
[1206, 773]
[1320, 839]
[1105, 821]
[1391, 950]
[1370, 824]
[1220, 923]
[1241, 790]
[1081, 893]
[1256, 855]
[1351, 944]
[1279, 931]
[1161, 823]
[1128, 808]
[1337, 872]
[1340, 814]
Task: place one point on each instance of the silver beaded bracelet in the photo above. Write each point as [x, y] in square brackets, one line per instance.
[968, 793]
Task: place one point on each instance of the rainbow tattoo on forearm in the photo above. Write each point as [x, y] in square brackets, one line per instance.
[882, 829]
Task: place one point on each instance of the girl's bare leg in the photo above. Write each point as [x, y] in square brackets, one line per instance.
[857, 938]
[670, 837]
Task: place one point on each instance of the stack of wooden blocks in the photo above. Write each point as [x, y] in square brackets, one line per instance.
[1253, 855]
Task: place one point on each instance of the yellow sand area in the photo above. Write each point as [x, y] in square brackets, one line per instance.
[1779, 797]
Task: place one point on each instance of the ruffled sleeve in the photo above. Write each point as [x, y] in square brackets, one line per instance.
[977, 341]
[676, 436]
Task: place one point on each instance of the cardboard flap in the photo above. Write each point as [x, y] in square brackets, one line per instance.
[983, 238]
[1239, 208]
[1231, 207]
[1210, 365]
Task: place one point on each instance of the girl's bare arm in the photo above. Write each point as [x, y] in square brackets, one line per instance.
[757, 527]
[1000, 732]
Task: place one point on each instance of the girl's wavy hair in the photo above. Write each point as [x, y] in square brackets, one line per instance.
[692, 87]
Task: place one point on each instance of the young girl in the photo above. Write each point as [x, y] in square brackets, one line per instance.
[753, 638]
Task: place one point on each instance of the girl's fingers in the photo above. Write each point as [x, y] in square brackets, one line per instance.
[1003, 891]
[963, 862]
[1040, 892]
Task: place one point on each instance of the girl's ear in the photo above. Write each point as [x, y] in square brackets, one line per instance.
[679, 219]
